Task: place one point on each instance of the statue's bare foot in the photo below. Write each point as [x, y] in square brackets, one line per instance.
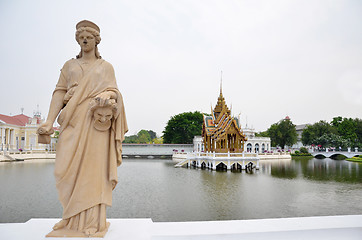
[90, 231]
[60, 224]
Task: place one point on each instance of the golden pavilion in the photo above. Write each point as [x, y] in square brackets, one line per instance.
[222, 132]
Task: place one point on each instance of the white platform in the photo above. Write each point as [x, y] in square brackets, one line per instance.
[310, 228]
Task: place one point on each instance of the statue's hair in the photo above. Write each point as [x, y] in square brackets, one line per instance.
[111, 103]
[96, 35]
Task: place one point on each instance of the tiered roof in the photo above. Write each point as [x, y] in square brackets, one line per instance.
[220, 106]
[220, 121]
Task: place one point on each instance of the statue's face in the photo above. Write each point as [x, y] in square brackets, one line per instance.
[102, 118]
[86, 41]
[103, 114]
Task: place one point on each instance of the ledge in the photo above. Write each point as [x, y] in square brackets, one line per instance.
[329, 227]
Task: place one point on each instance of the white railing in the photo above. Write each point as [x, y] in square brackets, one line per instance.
[215, 155]
[274, 153]
[26, 152]
[228, 154]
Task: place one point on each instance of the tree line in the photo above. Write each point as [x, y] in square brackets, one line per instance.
[282, 133]
[181, 128]
[143, 136]
[340, 132]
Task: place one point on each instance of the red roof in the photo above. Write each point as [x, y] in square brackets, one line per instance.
[19, 120]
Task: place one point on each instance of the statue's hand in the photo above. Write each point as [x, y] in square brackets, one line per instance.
[114, 183]
[45, 128]
[103, 98]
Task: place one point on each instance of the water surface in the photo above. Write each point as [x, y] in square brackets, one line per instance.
[155, 189]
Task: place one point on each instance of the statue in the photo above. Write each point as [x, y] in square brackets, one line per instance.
[92, 127]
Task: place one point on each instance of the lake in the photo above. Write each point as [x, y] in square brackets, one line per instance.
[153, 188]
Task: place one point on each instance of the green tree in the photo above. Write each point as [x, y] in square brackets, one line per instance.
[283, 133]
[315, 131]
[303, 150]
[130, 139]
[183, 127]
[157, 140]
[152, 134]
[346, 128]
[143, 137]
[359, 131]
[262, 134]
[332, 140]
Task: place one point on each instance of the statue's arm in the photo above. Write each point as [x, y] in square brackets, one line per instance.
[109, 94]
[56, 105]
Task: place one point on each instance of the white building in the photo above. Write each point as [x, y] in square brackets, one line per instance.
[19, 132]
[256, 144]
[299, 129]
[253, 144]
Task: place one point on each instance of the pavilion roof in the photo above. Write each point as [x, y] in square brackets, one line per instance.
[220, 121]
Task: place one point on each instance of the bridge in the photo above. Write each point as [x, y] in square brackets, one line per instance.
[128, 151]
[331, 154]
[153, 150]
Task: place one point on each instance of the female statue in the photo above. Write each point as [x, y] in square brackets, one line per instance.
[92, 127]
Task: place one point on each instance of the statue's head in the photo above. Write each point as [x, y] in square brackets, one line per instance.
[102, 115]
[88, 36]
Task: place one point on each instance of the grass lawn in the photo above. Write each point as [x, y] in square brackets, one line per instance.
[355, 159]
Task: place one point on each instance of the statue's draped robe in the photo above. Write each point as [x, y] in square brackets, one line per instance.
[87, 159]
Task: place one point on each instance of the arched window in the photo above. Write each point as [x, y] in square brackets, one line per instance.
[257, 147]
[248, 147]
[263, 148]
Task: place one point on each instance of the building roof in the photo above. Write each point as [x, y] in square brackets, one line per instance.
[18, 120]
[220, 121]
[300, 127]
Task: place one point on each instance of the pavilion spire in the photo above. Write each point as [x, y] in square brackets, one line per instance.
[221, 83]
[221, 104]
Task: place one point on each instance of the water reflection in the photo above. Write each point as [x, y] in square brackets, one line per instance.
[280, 168]
[155, 189]
[315, 169]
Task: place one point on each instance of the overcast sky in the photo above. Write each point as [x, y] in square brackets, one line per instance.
[297, 58]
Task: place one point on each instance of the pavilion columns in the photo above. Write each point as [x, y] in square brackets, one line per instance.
[6, 138]
[12, 138]
[2, 133]
[228, 167]
[208, 143]
[232, 142]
